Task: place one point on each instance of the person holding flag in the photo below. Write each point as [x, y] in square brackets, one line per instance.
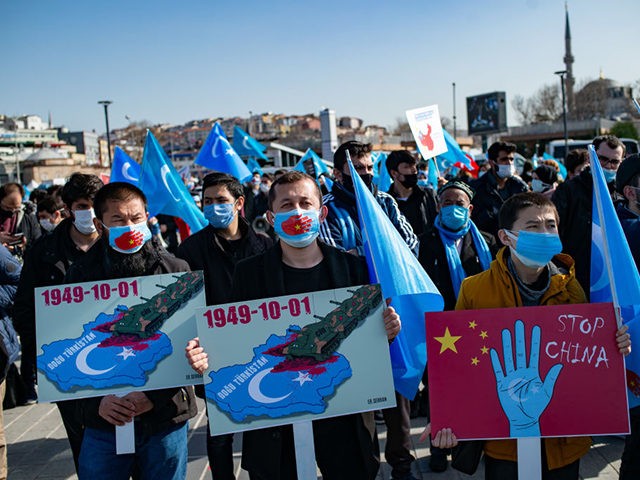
[418, 205]
[345, 446]
[530, 270]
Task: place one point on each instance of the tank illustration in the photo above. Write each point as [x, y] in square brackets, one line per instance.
[321, 339]
[144, 319]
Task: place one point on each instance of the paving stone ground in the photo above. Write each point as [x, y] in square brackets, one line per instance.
[38, 450]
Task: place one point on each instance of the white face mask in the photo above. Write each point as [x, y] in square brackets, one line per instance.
[83, 221]
[47, 225]
[506, 171]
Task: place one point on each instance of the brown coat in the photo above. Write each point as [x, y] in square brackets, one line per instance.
[496, 288]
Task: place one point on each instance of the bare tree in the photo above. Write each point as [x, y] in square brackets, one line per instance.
[543, 106]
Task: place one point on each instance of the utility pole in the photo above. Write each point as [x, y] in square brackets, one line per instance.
[106, 104]
[455, 130]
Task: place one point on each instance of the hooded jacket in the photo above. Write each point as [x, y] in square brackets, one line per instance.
[496, 288]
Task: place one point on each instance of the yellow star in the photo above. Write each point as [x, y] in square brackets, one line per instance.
[448, 341]
[473, 324]
[131, 241]
[297, 227]
[484, 334]
[475, 361]
[484, 350]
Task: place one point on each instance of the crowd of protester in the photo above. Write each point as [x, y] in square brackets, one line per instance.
[471, 235]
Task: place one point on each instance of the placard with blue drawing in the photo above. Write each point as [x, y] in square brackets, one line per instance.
[116, 336]
[293, 358]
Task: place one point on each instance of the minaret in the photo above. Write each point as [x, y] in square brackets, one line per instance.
[568, 62]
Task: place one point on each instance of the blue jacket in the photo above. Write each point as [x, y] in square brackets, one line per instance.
[631, 225]
[341, 229]
[10, 270]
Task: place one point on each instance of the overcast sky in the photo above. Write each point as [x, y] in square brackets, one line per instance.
[168, 61]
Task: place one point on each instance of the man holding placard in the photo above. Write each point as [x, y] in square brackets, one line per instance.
[126, 250]
[528, 271]
[345, 446]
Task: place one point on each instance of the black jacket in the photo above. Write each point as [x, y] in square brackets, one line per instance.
[171, 406]
[268, 452]
[433, 259]
[488, 200]
[218, 257]
[573, 200]
[420, 209]
[45, 263]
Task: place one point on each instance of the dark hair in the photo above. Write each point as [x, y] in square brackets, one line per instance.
[268, 176]
[54, 189]
[280, 171]
[37, 195]
[292, 176]
[612, 142]
[217, 178]
[397, 157]
[9, 188]
[498, 147]
[79, 186]
[575, 158]
[49, 204]
[511, 209]
[356, 150]
[116, 191]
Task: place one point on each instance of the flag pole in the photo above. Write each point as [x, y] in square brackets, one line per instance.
[305, 450]
[605, 240]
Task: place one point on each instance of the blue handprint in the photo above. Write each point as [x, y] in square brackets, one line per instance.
[522, 393]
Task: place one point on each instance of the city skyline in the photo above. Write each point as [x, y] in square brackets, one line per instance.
[171, 63]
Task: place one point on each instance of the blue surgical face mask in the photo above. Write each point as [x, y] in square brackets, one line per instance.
[454, 217]
[219, 215]
[609, 175]
[297, 228]
[506, 171]
[129, 238]
[535, 249]
[539, 186]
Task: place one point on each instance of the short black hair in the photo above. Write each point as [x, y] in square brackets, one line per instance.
[80, 185]
[116, 191]
[37, 195]
[50, 204]
[397, 157]
[292, 176]
[232, 183]
[575, 158]
[498, 147]
[511, 209]
[268, 176]
[356, 150]
[612, 142]
[9, 188]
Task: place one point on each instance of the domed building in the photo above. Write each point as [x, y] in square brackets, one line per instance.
[604, 98]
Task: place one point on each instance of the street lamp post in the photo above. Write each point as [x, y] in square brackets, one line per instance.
[106, 104]
[455, 130]
[562, 74]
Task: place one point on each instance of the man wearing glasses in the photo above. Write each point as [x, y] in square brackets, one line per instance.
[573, 199]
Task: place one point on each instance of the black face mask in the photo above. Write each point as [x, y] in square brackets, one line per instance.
[347, 182]
[410, 180]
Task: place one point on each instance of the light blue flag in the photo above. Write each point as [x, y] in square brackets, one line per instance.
[454, 153]
[124, 168]
[328, 183]
[217, 154]
[246, 146]
[164, 188]
[614, 275]
[433, 174]
[381, 177]
[392, 264]
[254, 166]
[312, 164]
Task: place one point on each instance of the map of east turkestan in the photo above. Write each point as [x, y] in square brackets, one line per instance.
[270, 385]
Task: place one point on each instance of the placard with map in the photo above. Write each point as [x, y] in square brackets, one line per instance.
[295, 358]
[116, 336]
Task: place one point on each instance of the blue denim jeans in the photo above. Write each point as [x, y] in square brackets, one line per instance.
[160, 456]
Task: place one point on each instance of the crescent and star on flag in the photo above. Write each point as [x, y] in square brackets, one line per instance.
[448, 342]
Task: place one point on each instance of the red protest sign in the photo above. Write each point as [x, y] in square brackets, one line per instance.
[529, 371]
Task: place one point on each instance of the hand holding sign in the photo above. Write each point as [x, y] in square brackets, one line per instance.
[522, 393]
